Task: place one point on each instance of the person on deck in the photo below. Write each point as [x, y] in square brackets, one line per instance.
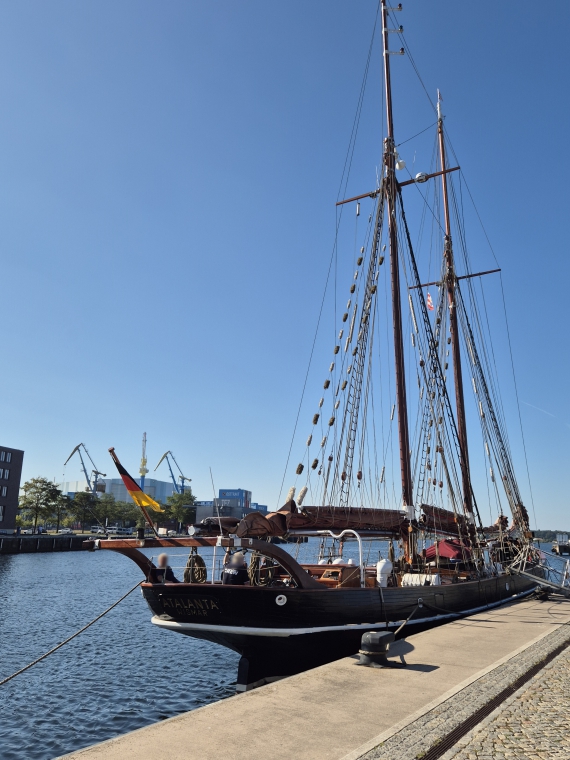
[163, 572]
[235, 571]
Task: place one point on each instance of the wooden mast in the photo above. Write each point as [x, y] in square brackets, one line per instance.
[390, 191]
[450, 280]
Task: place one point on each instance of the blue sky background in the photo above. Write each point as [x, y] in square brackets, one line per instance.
[168, 174]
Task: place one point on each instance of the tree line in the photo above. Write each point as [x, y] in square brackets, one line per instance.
[548, 535]
[42, 502]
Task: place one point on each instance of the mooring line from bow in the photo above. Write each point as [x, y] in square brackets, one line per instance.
[85, 627]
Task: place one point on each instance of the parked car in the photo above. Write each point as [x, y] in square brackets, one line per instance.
[27, 532]
[65, 531]
[114, 530]
[172, 533]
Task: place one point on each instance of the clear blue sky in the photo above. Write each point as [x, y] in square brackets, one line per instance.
[168, 174]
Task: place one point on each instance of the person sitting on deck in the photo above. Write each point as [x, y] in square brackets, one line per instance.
[163, 572]
[235, 571]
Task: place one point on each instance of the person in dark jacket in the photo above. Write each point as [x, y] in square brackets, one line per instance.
[163, 572]
[235, 571]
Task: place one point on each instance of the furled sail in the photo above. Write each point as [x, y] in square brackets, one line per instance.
[386, 521]
[438, 520]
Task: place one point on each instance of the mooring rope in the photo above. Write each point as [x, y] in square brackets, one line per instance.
[407, 620]
[85, 627]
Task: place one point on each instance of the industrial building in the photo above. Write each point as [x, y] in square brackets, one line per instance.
[234, 497]
[11, 461]
[159, 490]
[231, 502]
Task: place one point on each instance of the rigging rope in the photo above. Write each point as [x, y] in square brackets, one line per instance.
[344, 178]
[508, 335]
[502, 455]
[416, 135]
[409, 52]
[435, 364]
[518, 403]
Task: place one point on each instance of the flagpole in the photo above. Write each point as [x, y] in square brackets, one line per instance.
[122, 470]
[450, 283]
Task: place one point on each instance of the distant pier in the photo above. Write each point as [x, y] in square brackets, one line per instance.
[40, 543]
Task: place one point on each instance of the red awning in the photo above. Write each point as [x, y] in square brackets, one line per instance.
[448, 549]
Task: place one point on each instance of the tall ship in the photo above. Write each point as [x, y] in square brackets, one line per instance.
[399, 542]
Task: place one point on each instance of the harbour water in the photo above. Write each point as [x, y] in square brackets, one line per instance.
[121, 674]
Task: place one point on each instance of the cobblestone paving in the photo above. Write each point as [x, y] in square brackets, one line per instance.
[535, 724]
[412, 742]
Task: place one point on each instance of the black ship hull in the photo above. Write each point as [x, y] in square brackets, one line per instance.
[283, 631]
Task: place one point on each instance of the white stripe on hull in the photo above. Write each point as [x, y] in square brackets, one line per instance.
[243, 630]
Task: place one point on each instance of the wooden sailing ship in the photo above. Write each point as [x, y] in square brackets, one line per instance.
[439, 561]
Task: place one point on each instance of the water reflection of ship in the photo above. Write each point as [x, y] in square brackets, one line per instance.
[442, 562]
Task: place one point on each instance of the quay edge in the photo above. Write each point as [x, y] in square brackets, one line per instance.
[42, 543]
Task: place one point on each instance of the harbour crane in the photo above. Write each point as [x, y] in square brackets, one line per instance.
[91, 481]
[143, 469]
[182, 478]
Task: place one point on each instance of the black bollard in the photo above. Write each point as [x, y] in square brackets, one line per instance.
[374, 650]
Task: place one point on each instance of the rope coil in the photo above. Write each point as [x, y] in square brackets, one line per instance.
[195, 571]
[260, 575]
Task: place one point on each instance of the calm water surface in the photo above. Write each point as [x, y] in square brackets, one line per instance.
[121, 674]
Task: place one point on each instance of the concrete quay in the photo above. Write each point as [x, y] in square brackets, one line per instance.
[341, 711]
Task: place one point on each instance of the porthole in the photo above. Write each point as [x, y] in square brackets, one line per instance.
[281, 600]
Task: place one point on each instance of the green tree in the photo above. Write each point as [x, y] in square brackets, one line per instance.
[82, 508]
[180, 507]
[39, 499]
[60, 509]
[93, 510]
[127, 512]
[104, 508]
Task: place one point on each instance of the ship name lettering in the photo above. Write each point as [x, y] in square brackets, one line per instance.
[191, 606]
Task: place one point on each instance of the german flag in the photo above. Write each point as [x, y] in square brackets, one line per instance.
[140, 498]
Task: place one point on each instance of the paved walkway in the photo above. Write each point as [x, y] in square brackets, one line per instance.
[432, 727]
[532, 724]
